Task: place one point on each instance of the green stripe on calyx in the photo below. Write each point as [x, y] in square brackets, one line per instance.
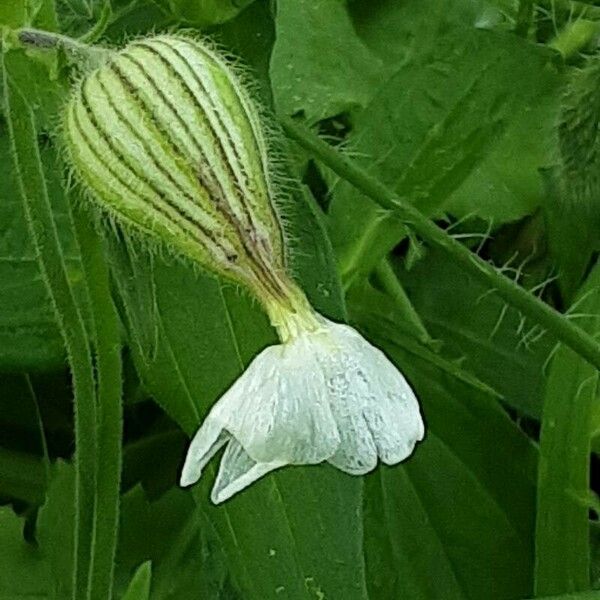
[169, 143]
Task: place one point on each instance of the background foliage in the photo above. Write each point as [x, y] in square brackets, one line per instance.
[484, 114]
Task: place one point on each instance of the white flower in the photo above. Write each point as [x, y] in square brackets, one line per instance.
[324, 395]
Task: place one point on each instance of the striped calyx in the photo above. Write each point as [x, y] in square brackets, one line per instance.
[168, 142]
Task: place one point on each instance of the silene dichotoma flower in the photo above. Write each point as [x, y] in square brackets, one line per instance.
[166, 141]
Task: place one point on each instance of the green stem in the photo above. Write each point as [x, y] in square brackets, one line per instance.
[571, 335]
[42, 229]
[80, 53]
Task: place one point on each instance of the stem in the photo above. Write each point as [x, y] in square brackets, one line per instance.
[79, 52]
[42, 229]
[571, 335]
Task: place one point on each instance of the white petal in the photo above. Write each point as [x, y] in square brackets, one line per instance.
[323, 395]
[356, 453]
[392, 410]
[278, 410]
[205, 444]
[377, 405]
[238, 471]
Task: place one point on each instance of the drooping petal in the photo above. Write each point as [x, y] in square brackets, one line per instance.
[390, 408]
[278, 410]
[209, 439]
[356, 453]
[238, 471]
[376, 410]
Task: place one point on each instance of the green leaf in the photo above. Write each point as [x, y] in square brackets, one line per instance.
[456, 521]
[297, 531]
[56, 528]
[139, 588]
[178, 540]
[251, 36]
[98, 421]
[22, 477]
[39, 13]
[13, 14]
[506, 185]
[203, 13]
[29, 334]
[319, 66]
[25, 573]
[106, 338]
[427, 132]
[562, 533]
[479, 328]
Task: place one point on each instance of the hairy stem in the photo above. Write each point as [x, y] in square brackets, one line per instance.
[78, 52]
[571, 335]
[33, 190]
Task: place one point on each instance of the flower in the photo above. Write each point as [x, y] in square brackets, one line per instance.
[324, 395]
[165, 140]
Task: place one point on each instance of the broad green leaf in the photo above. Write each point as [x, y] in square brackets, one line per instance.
[562, 531]
[400, 31]
[29, 335]
[13, 13]
[478, 327]
[506, 185]
[296, 532]
[427, 131]
[456, 520]
[139, 588]
[319, 66]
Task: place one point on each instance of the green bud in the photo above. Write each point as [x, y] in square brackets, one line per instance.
[169, 143]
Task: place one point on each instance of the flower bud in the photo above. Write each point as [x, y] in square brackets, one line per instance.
[169, 144]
